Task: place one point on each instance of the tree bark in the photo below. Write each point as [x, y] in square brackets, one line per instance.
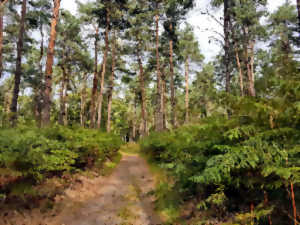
[143, 95]
[159, 113]
[49, 64]
[164, 99]
[1, 39]
[252, 76]
[241, 77]
[227, 44]
[100, 97]
[2, 4]
[172, 85]
[83, 101]
[62, 95]
[39, 91]
[298, 10]
[186, 90]
[111, 83]
[18, 73]
[95, 82]
[249, 63]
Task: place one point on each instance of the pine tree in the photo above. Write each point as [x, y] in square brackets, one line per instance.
[18, 73]
[49, 64]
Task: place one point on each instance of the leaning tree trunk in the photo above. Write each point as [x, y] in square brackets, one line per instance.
[83, 102]
[172, 86]
[111, 83]
[186, 90]
[159, 113]
[100, 97]
[227, 44]
[14, 103]
[142, 89]
[95, 82]
[49, 64]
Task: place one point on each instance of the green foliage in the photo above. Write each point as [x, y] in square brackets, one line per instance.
[38, 153]
[233, 162]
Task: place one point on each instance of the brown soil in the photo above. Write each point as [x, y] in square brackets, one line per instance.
[121, 199]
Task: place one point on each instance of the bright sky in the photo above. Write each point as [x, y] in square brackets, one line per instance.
[205, 27]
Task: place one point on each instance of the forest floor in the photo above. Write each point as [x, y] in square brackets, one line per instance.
[122, 198]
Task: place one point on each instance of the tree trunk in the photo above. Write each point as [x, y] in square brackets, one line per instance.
[1, 39]
[186, 90]
[241, 77]
[172, 86]
[111, 82]
[49, 64]
[298, 10]
[252, 76]
[62, 95]
[2, 4]
[95, 82]
[100, 97]
[83, 102]
[18, 73]
[159, 113]
[39, 93]
[227, 44]
[142, 89]
[249, 63]
[164, 98]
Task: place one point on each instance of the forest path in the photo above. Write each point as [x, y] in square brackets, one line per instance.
[123, 198]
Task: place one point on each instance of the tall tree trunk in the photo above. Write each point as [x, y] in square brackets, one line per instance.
[100, 97]
[172, 86]
[249, 61]
[142, 89]
[2, 4]
[227, 44]
[1, 39]
[252, 76]
[186, 90]
[164, 100]
[298, 10]
[18, 73]
[241, 77]
[39, 91]
[159, 113]
[111, 83]
[62, 95]
[95, 82]
[49, 64]
[83, 101]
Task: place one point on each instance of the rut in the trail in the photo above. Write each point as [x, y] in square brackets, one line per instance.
[123, 198]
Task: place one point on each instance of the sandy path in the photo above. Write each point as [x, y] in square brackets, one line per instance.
[123, 198]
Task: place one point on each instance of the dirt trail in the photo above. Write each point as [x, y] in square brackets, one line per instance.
[122, 198]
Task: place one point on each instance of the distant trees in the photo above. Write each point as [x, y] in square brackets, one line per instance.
[139, 46]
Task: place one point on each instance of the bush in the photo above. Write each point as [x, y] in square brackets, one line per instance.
[38, 153]
[230, 164]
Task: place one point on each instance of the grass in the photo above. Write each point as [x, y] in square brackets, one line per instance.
[167, 198]
[131, 148]
[109, 166]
